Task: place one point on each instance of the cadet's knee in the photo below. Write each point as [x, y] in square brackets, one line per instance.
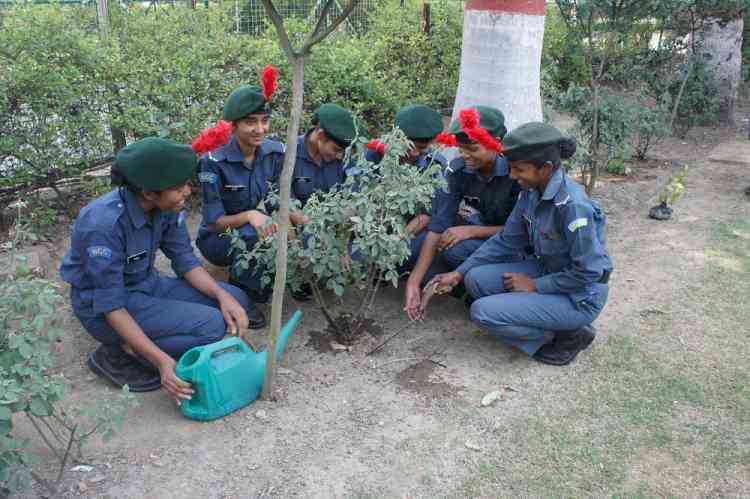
[471, 283]
[237, 294]
[455, 255]
[212, 329]
[485, 312]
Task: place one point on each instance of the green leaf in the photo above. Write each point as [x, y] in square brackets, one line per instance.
[5, 413]
[39, 407]
[5, 426]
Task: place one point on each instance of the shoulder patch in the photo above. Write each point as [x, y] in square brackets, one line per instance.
[208, 177]
[273, 146]
[577, 224]
[99, 252]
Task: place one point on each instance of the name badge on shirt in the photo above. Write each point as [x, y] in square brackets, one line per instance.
[302, 179]
[234, 188]
[137, 257]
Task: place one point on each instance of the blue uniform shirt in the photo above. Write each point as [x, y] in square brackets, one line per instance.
[308, 177]
[567, 232]
[230, 186]
[113, 247]
[472, 198]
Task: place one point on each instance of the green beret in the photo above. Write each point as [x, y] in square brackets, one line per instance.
[526, 141]
[155, 164]
[244, 100]
[490, 119]
[419, 122]
[337, 122]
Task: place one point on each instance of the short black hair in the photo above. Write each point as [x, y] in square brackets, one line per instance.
[118, 179]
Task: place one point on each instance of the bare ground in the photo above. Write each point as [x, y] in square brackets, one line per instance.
[658, 407]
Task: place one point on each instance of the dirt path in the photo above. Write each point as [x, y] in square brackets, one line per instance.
[645, 412]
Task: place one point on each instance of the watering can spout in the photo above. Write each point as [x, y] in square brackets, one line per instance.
[286, 332]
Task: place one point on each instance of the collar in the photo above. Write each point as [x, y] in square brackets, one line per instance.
[135, 212]
[302, 148]
[500, 169]
[554, 184]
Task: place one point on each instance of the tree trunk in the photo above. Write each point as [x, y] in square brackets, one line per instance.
[501, 58]
[285, 184]
[721, 47]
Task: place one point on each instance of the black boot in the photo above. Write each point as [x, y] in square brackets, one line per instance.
[565, 347]
[303, 294]
[112, 363]
[256, 319]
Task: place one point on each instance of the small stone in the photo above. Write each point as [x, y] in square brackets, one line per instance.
[473, 446]
[261, 414]
[82, 467]
[492, 397]
[158, 464]
[381, 423]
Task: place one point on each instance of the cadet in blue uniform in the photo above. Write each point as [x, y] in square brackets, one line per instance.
[235, 179]
[319, 166]
[421, 124]
[142, 319]
[543, 306]
[479, 197]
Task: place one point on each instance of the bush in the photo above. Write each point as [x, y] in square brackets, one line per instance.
[168, 71]
[650, 123]
[365, 217]
[29, 327]
[563, 57]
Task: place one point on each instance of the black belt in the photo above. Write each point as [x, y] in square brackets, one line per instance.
[604, 279]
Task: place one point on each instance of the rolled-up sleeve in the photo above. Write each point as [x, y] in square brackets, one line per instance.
[103, 262]
[175, 243]
[210, 180]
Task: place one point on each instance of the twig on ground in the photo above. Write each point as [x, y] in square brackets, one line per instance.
[405, 359]
[381, 345]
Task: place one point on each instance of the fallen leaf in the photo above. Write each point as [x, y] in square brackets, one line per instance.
[493, 397]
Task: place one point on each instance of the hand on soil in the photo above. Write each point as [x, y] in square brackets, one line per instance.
[412, 305]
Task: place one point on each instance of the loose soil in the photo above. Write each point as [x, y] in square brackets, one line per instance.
[657, 407]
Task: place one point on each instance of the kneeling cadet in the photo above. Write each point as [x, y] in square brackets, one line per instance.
[543, 305]
[143, 320]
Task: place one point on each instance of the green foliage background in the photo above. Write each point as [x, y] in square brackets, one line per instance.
[167, 72]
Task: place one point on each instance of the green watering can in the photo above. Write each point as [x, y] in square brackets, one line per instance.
[226, 375]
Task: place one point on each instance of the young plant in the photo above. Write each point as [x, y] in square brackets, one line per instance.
[30, 388]
[356, 236]
[673, 191]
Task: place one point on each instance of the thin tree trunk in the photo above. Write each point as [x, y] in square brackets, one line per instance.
[279, 285]
[679, 94]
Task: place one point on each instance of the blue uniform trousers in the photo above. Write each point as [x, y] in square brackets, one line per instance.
[215, 248]
[526, 320]
[176, 316]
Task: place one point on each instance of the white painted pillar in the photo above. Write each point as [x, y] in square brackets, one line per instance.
[501, 58]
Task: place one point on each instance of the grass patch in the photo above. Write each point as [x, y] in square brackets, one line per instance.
[637, 425]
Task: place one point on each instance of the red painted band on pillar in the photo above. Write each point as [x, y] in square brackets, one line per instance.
[528, 7]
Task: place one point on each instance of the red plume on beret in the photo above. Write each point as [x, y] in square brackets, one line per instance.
[469, 119]
[377, 146]
[268, 80]
[446, 139]
[212, 138]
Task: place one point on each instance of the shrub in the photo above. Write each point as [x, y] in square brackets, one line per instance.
[29, 387]
[365, 217]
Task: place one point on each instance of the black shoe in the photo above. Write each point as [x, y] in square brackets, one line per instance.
[255, 296]
[578, 340]
[565, 347]
[304, 293]
[255, 318]
[112, 363]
